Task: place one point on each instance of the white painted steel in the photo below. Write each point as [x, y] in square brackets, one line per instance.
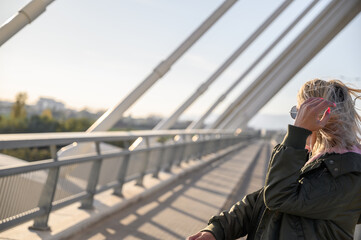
[109, 118]
[45, 139]
[168, 122]
[318, 33]
[300, 53]
[199, 122]
[24, 17]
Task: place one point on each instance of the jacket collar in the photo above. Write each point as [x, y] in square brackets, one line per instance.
[337, 164]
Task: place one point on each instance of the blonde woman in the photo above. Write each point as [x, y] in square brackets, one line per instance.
[313, 183]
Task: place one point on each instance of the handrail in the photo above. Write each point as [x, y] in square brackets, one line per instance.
[19, 140]
[33, 190]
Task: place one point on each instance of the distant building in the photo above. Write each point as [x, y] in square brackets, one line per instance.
[5, 107]
[58, 109]
[48, 103]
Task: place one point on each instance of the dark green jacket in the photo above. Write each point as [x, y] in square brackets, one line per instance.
[319, 201]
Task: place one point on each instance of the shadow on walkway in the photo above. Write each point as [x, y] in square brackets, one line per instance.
[180, 209]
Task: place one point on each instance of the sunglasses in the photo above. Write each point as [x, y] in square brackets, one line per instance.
[293, 112]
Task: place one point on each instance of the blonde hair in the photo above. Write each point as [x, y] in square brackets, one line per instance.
[343, 129]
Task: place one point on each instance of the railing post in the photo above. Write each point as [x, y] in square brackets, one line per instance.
[199, 145]
[174, 151]
[47, 195]
[122, 172]
[220, 146]
[195, 146]
[211, 145]
[223, 142]
[217, 142]
[191, 147]
[188, 148]
[87, 203]
[145, 165]
[202, 146]
[182, 149]
[160, 161]
[231, 141]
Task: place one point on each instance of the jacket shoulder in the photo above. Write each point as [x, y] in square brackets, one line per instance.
[340, 164]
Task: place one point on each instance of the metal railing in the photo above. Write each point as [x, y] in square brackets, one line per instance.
[33, 190]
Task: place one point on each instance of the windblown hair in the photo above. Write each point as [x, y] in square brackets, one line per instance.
[343, 130]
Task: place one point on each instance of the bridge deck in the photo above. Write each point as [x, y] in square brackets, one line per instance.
[185, 206]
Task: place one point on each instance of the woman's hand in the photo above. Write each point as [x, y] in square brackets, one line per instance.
[202, 236]
[308, 116]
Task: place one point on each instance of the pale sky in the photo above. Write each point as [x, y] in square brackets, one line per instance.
[89, 53]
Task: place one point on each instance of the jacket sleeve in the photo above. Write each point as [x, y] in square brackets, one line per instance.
[313, 197]
[236, 222]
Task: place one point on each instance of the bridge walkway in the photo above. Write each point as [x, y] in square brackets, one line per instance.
[185, 206]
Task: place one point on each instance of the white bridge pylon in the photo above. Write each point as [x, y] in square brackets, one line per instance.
[235, 115]
[168, 122]
[334, 17]
[199, 123]
[114, 114]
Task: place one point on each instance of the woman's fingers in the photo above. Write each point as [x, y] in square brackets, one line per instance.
[322, 105]
[202, 236]
[195, 236]
[314, 113]
[311, 100]
[326, 116]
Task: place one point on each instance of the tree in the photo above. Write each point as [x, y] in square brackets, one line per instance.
[18, 110]
[47, 113]
[75, 125]
[42, 123]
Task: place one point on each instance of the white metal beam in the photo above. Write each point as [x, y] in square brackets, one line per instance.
[232, 110]
[320, 32]
[168, 122]
[199, 122]
[109, 118]
[24, 17]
